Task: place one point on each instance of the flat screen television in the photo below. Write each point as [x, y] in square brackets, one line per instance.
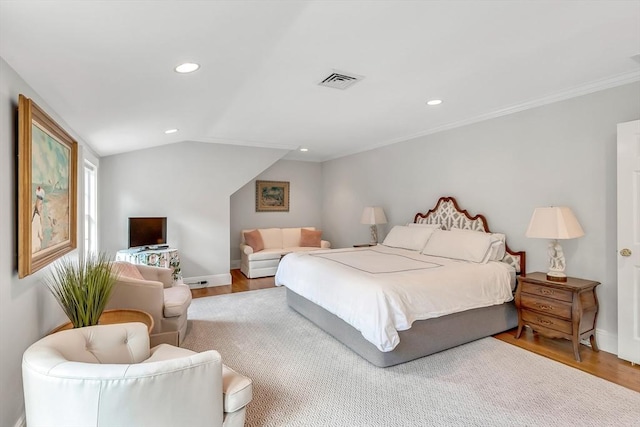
[148, 231]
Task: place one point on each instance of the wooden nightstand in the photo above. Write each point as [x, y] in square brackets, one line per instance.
[558, 310]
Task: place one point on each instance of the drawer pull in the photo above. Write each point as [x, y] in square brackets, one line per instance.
[544, 321]
[545, 307]
[547, 291]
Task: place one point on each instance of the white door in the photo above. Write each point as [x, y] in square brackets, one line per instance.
[629, 241]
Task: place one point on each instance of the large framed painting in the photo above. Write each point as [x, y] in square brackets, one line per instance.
[47, 189]
[272, 196]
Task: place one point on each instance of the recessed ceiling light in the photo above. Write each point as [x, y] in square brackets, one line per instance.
[434, 102]
[304, 149]
[187, 67]
[168, 131]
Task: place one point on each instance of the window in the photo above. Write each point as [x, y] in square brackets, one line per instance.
[90, 208]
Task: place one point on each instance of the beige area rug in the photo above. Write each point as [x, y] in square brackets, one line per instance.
[304, 377]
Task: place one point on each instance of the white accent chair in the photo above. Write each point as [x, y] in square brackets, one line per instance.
[152, 289]
[108, 376]
[277, 243]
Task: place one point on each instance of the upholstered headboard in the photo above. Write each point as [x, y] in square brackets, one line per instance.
[448, 214]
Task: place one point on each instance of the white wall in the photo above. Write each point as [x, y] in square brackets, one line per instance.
[27, 309]
[190, 183]
[305, 201]
[559, 154]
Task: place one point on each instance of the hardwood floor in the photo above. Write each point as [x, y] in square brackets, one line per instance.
[601, 364]
[239, 283]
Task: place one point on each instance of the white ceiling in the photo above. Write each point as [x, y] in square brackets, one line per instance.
[106, 67]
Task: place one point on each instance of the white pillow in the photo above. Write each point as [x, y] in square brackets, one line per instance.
[498, 247]
[465, 245]
[412, 238]
[434, 226]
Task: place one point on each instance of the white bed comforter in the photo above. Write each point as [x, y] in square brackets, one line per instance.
[382, 290]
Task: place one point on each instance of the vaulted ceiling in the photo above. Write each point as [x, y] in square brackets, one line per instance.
[107, 67]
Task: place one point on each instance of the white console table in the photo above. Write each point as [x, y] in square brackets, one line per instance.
[165, 257]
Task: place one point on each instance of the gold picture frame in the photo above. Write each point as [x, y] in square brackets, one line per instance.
[272, 196]
[47, 189]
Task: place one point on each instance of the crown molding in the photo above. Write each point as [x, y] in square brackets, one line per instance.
[585, 89]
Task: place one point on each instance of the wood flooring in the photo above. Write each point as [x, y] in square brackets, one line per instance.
[601, 364]
[239, 283]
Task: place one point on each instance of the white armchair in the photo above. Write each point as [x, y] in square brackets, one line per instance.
[108, 376]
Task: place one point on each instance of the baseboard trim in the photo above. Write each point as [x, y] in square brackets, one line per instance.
[606, 341]
[235, 264]
[210, 281]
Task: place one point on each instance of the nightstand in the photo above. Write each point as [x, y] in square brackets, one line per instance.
[558, 309]
[364, 245]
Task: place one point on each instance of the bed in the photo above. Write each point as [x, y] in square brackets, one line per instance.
[441, 281]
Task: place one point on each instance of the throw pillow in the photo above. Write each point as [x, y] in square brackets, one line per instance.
[254, 239]
[126, 269]
[310, 238]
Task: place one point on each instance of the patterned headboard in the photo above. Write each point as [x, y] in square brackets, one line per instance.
[448, 214]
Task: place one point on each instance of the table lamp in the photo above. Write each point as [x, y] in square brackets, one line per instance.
[373, 215]
[554, 222]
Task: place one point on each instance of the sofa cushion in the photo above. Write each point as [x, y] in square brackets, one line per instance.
[167, 352]
[237, 390]
[310, 238]
[272, 238]
[299, 249]
[254, 239]
[267, 254]
[290, 237]
[176, 300]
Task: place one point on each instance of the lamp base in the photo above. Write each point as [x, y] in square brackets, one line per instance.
[557, 263]
[374, 235]
[555, 276]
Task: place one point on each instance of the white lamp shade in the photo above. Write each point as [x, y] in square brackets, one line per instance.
[373, 215]
[554, 222]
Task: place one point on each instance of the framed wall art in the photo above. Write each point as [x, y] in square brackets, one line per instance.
[272, 196]
[47, 189]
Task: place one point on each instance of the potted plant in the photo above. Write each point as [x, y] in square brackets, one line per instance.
[82, 287]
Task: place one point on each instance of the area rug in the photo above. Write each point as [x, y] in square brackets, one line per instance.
[304, 377]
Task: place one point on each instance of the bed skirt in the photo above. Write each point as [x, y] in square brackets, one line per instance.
[425, 336]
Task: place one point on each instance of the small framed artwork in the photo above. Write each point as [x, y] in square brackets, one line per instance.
[272, 196]
[47, 189]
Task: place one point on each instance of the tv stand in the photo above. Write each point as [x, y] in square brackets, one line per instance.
[157, 256]
[152, 248]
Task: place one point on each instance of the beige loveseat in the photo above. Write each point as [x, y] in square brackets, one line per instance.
[277, 243]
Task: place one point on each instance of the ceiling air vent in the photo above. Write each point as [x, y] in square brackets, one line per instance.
[340, 80]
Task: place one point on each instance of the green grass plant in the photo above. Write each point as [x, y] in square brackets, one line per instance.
[82, 287]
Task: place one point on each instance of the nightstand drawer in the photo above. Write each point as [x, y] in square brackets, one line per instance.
[546, 291]
[546, 305]
[547, 321]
